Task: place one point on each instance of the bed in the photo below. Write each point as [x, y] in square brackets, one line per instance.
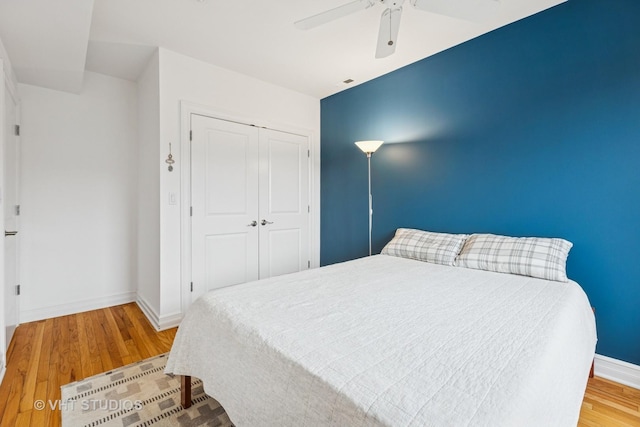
[389, 341]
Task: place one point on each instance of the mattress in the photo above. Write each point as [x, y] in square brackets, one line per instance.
[387, 341]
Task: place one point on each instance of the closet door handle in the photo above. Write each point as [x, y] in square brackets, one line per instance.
[10, 233]
[252, 224]
[265, 222]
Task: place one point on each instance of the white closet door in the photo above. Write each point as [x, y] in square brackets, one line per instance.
[11, 219]
[284, 203]
[224, 185]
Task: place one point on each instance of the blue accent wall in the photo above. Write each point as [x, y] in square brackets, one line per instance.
[530, 130]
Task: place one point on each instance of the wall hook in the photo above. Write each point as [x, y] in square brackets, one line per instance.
[170, 160]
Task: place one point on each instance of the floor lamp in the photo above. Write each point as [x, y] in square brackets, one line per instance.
[369, 147]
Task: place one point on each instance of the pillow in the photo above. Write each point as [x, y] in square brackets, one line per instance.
[544, 258]
[438, 248]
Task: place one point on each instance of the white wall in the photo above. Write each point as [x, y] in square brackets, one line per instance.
[148, 275]
[231, 94]
[79, 189]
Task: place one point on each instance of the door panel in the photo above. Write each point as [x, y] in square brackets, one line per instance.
[226, 172]
[285, 247]
[284, 175]
[218, 250]
[224, 186]
[11, 223]
[284, 203]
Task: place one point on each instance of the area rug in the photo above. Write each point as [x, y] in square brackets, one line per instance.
[138, 395]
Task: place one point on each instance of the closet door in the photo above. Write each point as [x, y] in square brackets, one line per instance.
[224, 199]
[284, 203]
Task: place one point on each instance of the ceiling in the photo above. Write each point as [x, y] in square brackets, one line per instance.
[52, 43]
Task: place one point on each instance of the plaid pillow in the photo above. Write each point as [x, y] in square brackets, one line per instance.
[527, 256]
[438, 248]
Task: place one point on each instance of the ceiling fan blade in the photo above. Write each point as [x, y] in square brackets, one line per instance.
[469, 10]
[330, 15]
[388, 34]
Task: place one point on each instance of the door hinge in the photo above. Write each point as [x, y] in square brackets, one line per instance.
[191, 286]
[16, 130]
[308, 208]
[308, 153]
[18, 290]
[190, 135]
[17, 210]
[190, 210]
[309, 264]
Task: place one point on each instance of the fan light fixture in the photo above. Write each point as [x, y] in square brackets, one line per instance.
[471, 10]
[369, 147]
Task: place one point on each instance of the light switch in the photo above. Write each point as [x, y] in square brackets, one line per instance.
[172, 199]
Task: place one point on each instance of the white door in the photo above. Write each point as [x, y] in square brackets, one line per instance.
[284, 203]
[250, 203]
[11, 223]
[224, 199]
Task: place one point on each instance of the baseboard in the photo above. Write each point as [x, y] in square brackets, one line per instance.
[617, 370]
[160, 323]
[170, 321]
[3, 369]
[74, 307]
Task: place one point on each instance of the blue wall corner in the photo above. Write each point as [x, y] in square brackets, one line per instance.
[530, 130]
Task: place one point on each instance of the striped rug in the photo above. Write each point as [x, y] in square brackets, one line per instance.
[138, 395]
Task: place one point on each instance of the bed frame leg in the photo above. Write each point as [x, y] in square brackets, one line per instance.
[185, 391]
[594, 360]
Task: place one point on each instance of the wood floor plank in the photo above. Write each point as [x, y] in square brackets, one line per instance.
[39, 418]
[99, 333]
[109, 339]
[31, 374]
[85, 354]
[117, 338]
[46, 349]
[119, 316]
[23, 419]
[92, 345]
[138, 333]
[22, 353]
[64, 362]
[47, 354]
[75, 352]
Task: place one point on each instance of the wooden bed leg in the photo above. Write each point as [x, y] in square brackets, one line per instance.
[185, 391]
[594, 360]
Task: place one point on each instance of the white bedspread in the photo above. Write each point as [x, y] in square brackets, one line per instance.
[386, 341]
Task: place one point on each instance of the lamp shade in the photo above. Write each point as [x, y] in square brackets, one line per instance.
[369, 146]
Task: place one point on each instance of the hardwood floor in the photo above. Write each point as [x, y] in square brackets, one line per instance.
[46, 354]
[49, 353]
[609, 404]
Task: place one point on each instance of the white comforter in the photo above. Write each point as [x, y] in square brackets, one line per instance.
[385, 341]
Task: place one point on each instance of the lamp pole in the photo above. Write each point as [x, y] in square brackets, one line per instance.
[370, 202]
[369, 147]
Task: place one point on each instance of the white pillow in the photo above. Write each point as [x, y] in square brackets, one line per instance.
[540, 257]
[438, 248]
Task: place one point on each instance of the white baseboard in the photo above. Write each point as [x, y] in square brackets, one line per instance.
[170, 321]
[160, 323]
[3, 369]
[76, 307]
[617, 370]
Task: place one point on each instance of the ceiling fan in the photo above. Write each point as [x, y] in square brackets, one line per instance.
[471, 10]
